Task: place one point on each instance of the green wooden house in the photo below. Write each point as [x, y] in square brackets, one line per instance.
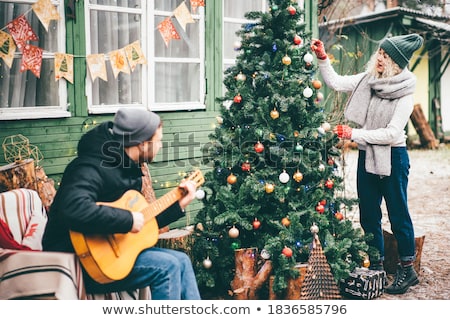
[179, 50]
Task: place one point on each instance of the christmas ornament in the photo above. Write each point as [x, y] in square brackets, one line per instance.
[265, 254]
[321, 167]
[326, 126]
[237, 45]
[316, 84]
[286, 222]
[339, 216]
[320, 208]
[200, 194]
[366, 262]
[235, 245]
[307, 92]
[329, 184]
[284, 177]
[274, 114]
[321, 131]
[256, 224]
[287, 252]
[241, 77]
[330, 161]
[231, 179]
[259, 147]
[298, 147]
[286, 60]
[298, 176]
[269, 187]
[233, 232]
[274, 7]
[323, 202]
[237, 99]
[314, 228]
[246, 166]
[207, 263]
[219, 120]
[319, 96]
[308, 58]
[297, 40]
[291, 10]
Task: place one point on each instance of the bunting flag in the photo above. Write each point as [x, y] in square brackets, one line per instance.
[197, 3]
[45, 11]
[183, 15]
[7, 48]
[135, 55]
[119, 62]
[168, 31]
[32, 59]
[97, 66]
[21, 31]
[64, 66]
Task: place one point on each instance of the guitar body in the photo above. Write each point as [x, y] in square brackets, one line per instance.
[111, 257]
[108, 258]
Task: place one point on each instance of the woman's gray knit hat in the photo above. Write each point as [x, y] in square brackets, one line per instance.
[133, 126]
[401, 48]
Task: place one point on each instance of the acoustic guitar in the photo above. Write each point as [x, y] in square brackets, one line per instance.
[108, 258]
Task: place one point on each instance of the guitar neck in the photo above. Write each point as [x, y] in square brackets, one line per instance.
[161, 204]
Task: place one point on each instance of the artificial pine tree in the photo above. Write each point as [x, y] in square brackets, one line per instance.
[274, 161]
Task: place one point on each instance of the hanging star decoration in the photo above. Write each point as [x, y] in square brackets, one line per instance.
[168, 31]
[45, 11]
[7, 48]
[183, 15]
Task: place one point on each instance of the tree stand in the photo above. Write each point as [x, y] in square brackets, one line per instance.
[248, 280]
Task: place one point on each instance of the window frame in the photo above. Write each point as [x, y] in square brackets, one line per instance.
[57, 111]
[147, 43]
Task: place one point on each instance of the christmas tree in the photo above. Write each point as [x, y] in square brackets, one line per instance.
[274, 159]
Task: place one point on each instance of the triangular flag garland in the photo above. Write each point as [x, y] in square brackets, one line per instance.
[97, 66]
[7, 48]
[45, 11]
[20, 32]
[32, 59]
[168, 31]
[183, 15]
[64, 66]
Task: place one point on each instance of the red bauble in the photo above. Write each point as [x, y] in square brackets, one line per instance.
[320, 208]
[256, 224]
[291, 10]
[287, 252]
[259, 147]
[329, 184]
[323, 202]
[246, 166]
[339, 215]
[237, 99]
[297, 40]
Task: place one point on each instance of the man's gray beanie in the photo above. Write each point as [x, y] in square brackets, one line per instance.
[133, 126]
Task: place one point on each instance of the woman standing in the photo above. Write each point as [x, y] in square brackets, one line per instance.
[380, 105]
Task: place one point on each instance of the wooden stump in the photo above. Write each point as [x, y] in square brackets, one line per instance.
[248, 280]
[20, 174]
[427, 137]
[391, 258]
[294, 287]
[177, 239]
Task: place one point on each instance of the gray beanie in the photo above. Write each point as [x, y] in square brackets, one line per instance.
[401, 48]
[133, 126]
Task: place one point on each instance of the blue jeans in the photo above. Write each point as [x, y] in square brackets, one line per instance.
[168, 272]
[372, 189]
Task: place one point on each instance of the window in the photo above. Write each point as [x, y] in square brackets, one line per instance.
[23, 94]
[172, 77]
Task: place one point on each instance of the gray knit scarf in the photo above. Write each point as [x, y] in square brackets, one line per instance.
[372, 106]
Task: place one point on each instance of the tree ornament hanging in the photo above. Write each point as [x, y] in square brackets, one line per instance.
[286, 60]
[207, 263]
[233, 232]
[241, 77]
[237, 45]
[269, 187]
[321, 167]
[320, 208]
[237, 98]
[286, 222]
[256, 224]
[200, 194]
[308, 58]
[284, 177]
[314, 228]
[235, 245]
[298, 176]
[298, 147]
[297, 39]
[274, 114]
[316, 84]
[292, 11]
[326, 126]
[231, 179]
[259, 147]
[287, 252]
[265, 254]
[246, 166]
[329, 183]
[307, 92]
[338, 215]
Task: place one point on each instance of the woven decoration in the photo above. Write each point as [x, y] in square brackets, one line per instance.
[17, 148]
[319, 283]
